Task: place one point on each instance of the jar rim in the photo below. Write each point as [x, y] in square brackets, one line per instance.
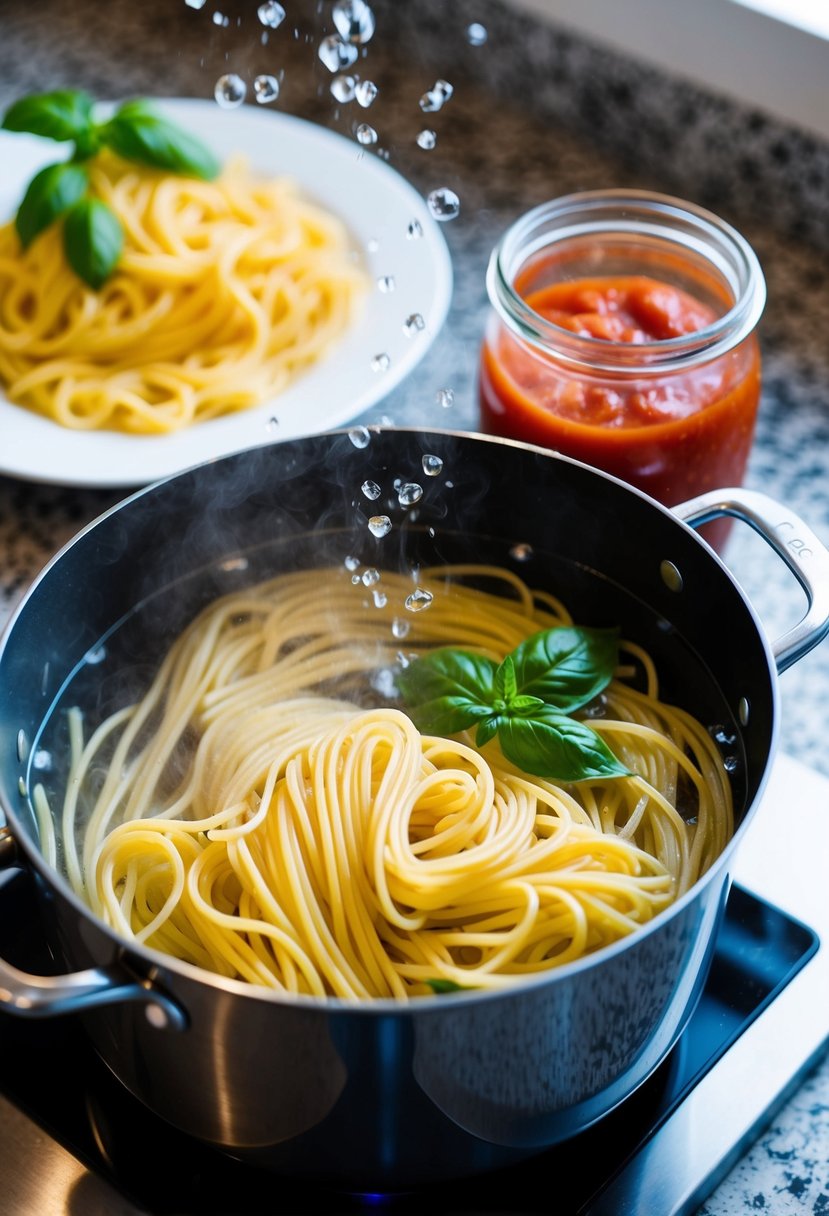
[620, 212]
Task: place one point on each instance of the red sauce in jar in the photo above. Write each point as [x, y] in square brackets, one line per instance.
[672, 429]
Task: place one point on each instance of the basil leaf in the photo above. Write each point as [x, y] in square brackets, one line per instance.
[487, 729]
[49, 194]
[93, 239]
[557, 747]
[566, 667]
[64, 114]
[440, 986]
[139, 133]
[448, 690]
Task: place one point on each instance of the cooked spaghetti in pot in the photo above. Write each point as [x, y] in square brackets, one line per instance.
[269, 812]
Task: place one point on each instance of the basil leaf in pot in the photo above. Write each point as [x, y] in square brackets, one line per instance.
[526, 700]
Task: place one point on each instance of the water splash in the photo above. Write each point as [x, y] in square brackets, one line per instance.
[271, 14]
[444, 204]
[353, 21]
[365, 93]
[266, 89]
[360, 436]
[413, 324]
[409, 493]
[418, 600]
[366, 135]
[336, 54]
[343, 88]
[436, 97]
[230, 91]
[379, 525]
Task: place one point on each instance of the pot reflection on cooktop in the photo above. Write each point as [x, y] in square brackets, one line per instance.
[73, 1096]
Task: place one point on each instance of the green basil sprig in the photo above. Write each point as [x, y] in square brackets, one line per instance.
[527, 701]
[93, 238]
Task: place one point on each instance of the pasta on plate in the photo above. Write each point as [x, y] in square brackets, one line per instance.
[225, 292]
[268, 811]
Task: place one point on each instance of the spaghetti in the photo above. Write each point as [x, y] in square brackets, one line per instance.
[263, 814]
[226, 290]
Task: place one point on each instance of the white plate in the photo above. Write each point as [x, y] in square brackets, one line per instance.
[376, 203]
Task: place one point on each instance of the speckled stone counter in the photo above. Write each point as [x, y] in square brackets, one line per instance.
[535, 114]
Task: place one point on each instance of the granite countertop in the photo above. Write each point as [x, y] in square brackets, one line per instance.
[535, 114]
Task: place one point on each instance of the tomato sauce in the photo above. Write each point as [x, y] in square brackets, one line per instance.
[671, 427]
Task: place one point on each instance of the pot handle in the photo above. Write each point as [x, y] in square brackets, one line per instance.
[44, 996]
[805, 555]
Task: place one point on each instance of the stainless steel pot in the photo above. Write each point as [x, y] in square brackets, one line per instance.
[383, 1095]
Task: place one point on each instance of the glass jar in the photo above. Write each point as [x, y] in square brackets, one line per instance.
[622, 333]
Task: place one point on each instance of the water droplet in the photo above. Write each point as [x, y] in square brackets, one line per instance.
[437, 97]
[370, 489]
[409, 493]
[418, 600]
[400, 627]
[366, 135]
[413, 324]
[95, 655]
[380, 363]
[272, 424]
[444, 204]
[365, 93]
[359, 436]
[731, 764]
[432, 465]
[445, 397]
[42, 760]
[403, 659]
[379, 525]
[22, 746]
[195, 3]
[722, 735]
[354, 20]
[427, 140]
[271, 14]
[266, 89]
[476, 34]
[220, 19]
[355, 580]
[351, 563]
[336, 54]
[522, 552]
[230, 91]
[232, 564]
[343, 88]
[383, 682]
[372, 245]
[22, 787]
[415, 230]
[386, 283]
[371, 576]
[380, 598]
